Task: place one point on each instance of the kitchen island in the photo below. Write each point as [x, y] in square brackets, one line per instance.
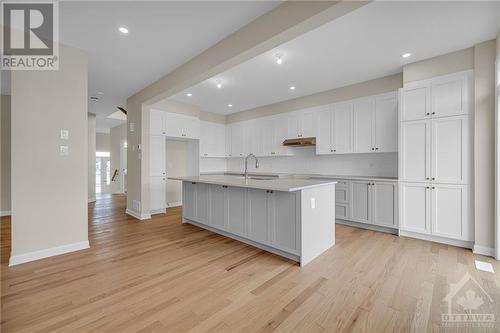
[291, 217]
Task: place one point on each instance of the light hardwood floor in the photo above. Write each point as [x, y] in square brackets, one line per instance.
[162, 276]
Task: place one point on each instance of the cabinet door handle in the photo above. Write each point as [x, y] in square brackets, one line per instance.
[376, 148]
[193, 183]
[427, 178]
[427, 187]
[427, 114]
[373, 148]
[434, 113]
[433, 178]
[334, 150]
[433, 188]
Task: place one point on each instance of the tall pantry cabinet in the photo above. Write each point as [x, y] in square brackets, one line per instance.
[436, 158]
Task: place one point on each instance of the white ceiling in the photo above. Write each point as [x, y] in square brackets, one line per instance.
[360, 46]
[163, 36]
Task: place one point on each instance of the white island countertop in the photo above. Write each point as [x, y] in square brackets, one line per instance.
[271, 183]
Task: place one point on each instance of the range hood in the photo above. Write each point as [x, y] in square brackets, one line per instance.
[300, 142]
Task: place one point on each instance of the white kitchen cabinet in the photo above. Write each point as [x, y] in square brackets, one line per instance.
[253, 140]
[384, 198]
[189, 200]
[237, 139]
[415, 152]
[436, 209]
[212, 139]
[235, 211]
[301, 124]
[324, 134]
[201, 211]
[174, 125]
[450, 150]
[451, 94]
[415, 102]
[282, 216]
[363, 125]
[217, 206]
[157, 194]
[157, 167]
[229, 140]
[449, 211]
[258, 219]
[415, 203]
[342, 211]
[386, 123]
[360, 202]
[436, 150]
[279, 133]
[342, 128]
[157, 122]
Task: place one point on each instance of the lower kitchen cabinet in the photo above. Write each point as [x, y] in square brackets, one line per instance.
[235, 210]
[436, 209]
[368, 202]
[264, 216]
[158, 194]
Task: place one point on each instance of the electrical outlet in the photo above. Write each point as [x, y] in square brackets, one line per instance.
[63, 150]
[64, 134]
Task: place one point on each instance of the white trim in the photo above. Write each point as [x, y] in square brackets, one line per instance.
[437, 239]
[484, 250]
[5, 213]
[157, 211]
[137, 215]
[388, 230]
[54, 251]
[174, 204]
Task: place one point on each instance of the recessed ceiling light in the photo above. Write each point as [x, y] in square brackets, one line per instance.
[123, 30]
[189, 94]
[292, 88]
[230, 105]
[406, 55]
[279, 58]
[219, 83]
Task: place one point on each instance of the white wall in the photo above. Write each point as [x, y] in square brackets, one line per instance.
[117, 134]
[91, 156]
[49, 191]
[176, 163]
[5, 156]
[305, 161]
[103, 142]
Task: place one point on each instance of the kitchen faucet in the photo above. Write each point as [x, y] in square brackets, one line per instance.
[246, 165]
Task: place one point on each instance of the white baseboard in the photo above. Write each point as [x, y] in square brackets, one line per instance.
[157, 211]
[174, 204]
[437, 239]
[484, 250]
[138, 215]
[5, 213]
[54, 251]
[367, 226]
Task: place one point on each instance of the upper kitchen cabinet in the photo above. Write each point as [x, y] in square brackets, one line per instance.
[443, 96]
[212, 139]
[375, 124]
[174, 125]
[302, 124]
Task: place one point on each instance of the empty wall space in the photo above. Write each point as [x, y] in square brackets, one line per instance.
[49, 187]
[103, 143]
[5, 117]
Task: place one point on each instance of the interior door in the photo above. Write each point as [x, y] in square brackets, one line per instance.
[386, 123]
[415, 150]
[360, 201]
[450, 150]
[342, 128]
[415, 103]
[363, 126]
[415, 206]
[384, 200]
[449, 211]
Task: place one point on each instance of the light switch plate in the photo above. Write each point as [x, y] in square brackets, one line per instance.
[64, 134]
[63, 150]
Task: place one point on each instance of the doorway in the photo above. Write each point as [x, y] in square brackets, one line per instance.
[102, 173]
